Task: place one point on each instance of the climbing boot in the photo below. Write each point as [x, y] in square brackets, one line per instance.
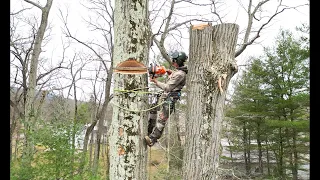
[150, 142]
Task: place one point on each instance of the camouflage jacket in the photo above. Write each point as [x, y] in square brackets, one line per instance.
[175, 81]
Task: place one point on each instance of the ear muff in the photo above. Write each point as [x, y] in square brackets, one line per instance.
[174, 60]
[180, 62]
[179, 57]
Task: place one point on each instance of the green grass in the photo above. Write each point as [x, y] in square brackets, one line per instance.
[157, 162]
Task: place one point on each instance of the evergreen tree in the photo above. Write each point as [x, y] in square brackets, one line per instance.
[272, 101]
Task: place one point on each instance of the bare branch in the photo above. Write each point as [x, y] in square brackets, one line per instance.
[164, 35]
[14, 105]
[169, 26]
[248, 30]
[20, 11]
[35, 4]
[215, 12]
[50, 71]
[68, 34]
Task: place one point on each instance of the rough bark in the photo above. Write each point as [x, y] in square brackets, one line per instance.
[295, 155]
[35, 59]
[245, 144]
[268, 158]
[29, 108]
[128, 151]
[248, 150]
[260, 150]
[211, 60]
[279, 155]
[101, 118]
[13, 123]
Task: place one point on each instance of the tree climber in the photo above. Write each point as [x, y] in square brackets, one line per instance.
[171, 93]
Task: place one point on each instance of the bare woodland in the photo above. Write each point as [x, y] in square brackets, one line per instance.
[146, 30]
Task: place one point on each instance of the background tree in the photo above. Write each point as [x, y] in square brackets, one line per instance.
[288, 66]
[30, 77]
[100, 52]
[249, 115]
[273, 96]
[75, 75]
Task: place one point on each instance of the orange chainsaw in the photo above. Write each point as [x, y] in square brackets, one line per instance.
[156, 71]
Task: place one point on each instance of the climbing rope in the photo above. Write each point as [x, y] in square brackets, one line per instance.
[143, 110]
[123, 91]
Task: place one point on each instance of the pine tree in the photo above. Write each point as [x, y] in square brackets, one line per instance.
[271, 102]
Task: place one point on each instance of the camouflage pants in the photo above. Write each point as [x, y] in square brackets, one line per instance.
[157, 123]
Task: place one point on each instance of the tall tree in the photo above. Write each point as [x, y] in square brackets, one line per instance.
[30, 109]
[273, 96]
[211, 66]
[128, 152]
[102, 51]
[250, 106]
[287, 78]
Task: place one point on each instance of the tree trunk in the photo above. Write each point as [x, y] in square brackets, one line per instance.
[230, 148]
[17, 141]
[30, 110]
[85, 147]
[279, 152]
[97, 147]
[75, 122]
[268, 158]
[211, 55]
[93, 114]
[246, 156]
[295, 155]
[293, 149]
[91, 141]
[249, 152]
[260, 150]
[107, 156]
[101, 120]
[12, 129]
[128, 151]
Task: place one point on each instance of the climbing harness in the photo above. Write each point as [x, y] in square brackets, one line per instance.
[175, 95]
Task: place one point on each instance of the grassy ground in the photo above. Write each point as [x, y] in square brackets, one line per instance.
[157, 165]
[157, 162]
